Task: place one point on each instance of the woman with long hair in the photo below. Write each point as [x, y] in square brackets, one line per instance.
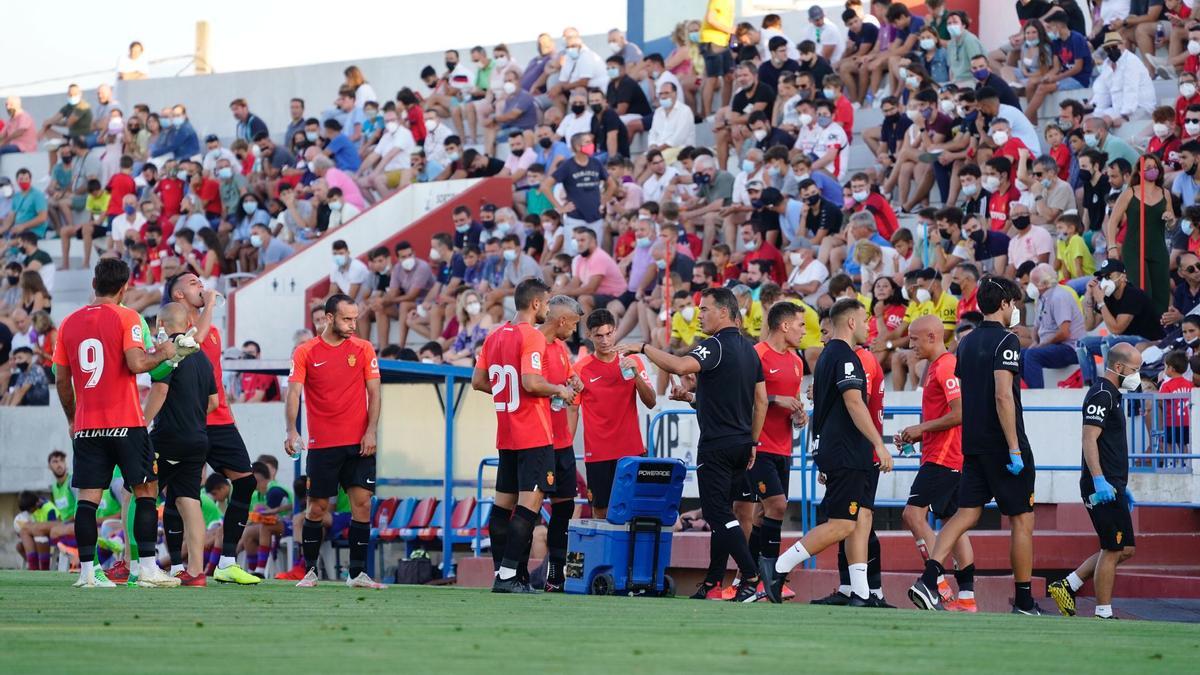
[885, 327]
[473, 327]
[210, 258]
[1144, 245]
[363, 91]
[35, 297]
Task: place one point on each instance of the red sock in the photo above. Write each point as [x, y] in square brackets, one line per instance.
[31, 560]
[44, 561]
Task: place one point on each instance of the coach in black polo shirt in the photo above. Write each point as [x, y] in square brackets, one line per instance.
[731, 405]
[843, 441]
[1102, 482]
[997, 460]
[179, 405]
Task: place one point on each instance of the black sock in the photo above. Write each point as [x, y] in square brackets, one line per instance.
[520, 533]
[735, 542]
[145, 526]
[310, 541]
[843, 565]
[498, 523]
[755, 542]
[1024, 594]
[85, 529]
[966, 578]
[360, 533]
[772, 532]
[718, 556]
[523, 563]
[556, 539]
[236, 514]
[173, 530]
[933, 570]
[874, 565]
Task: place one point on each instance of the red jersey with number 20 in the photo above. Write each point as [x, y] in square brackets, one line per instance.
[557, 371]
[212, 347]
[522, 419]
[941, 387]
[91, 347]
[874, 375]
[335, 394]
[608, 404]
[783, 373]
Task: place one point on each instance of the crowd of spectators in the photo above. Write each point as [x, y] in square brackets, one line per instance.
[1089, 202]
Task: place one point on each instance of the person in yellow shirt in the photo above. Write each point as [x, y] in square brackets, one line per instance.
[927, 297]
[96, 206]
[685, 324]
[715, 31]
[751, 309]
[1074, 261]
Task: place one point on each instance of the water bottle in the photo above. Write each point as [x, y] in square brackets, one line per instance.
[908, 450]
[628, 372]
[161, 337]
[557, 403]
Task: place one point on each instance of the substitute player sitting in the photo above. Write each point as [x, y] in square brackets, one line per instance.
[339, 374]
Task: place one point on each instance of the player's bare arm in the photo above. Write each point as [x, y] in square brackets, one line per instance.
[205, 318]
[66, 398]
[480, 381]
[760, 416]
[214, 402]
[948, 421]
[370, 439]
[676, 365]
[291, 411]
[141, 361]
[644, 390]
[538, 386]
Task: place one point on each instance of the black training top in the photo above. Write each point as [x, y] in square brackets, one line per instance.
[729, 371]
[836, 441]
[1102, 408]
[180, 429]
[988, 348]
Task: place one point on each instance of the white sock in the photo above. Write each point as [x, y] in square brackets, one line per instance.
[1104, 611]
[844, 589]
[148, 565]
[858, 580]
[86, 569]
[226, 561]
[877, 592]
[1074, 581]
[788, 560]
[176, 569]
[507, 573]
[966, 595]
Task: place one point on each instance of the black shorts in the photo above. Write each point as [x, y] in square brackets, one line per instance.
[1113, 522]
[600, 477]
[1180, 435]
[227, 450]
[716, 64]
[868, 500]
[526, 471]
[97, 451]
[935, 488]
[601, 301]
[985, 477]
[769, 476]
[180, 476]
[565, 484]
[626, 299]
[328, 468]
[845, 491]
[99, 230]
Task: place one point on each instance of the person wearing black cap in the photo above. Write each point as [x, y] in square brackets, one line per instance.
[731, 405]
[1124, 309]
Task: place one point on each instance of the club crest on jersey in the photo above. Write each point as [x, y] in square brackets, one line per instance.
[1031, 499]
[351, 360]
[762, 487]
[549, 478]
[1120, 535]
[212, 337]
[853, 508]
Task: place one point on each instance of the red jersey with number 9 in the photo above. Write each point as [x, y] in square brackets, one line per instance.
[941, 387]
[91, 347]
[522, 419]
[335, 394]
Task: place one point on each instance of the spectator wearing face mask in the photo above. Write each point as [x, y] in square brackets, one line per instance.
[28, 383]
[1123, 90]
[1058, 328]
[1125, 310]
[585, 183]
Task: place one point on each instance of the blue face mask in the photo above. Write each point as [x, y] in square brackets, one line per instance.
[824, 121]
[700, 178]
[177, 121]
[747, 166]
[250, 207]
[130, 209]
[644, 242]
[311, 136]
[981, 75]
[225, 173]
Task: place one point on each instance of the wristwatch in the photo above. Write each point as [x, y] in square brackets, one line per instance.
[889, 345]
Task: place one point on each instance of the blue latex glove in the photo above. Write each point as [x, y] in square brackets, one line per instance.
[1016, 465]
[1129, 501]
[1104, 491]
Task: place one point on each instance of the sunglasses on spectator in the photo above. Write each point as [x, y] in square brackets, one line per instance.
[1190, 269]
[558, 270]
[1039, 174]
[1191, 119]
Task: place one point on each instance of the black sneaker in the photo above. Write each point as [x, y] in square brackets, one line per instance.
[878, 603]
[747, 591]
[836, 599]
[553, 587]
[1032, 611]
[702, 590]
[856, 601]
[512, 585]
[924, 598]
[772, 581]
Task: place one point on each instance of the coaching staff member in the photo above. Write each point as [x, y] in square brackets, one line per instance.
[731, 405]
[1102, 482]
[997, 460]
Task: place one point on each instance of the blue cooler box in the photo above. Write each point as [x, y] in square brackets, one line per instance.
[604, 558]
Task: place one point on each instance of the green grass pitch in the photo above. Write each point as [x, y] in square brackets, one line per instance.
[47, 626]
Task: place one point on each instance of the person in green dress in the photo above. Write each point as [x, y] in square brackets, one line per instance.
[1145, 193]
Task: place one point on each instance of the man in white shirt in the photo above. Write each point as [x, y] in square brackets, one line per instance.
[388, 167]
[772, 26]
[350, 275]
[1027, 241]
[436, 133]
[1123, 90]
[828, 36]
[673, 127]
[807, 274]
[658, 176]
[581, 67]
[578, 119]
[658, 74]
[133, 66]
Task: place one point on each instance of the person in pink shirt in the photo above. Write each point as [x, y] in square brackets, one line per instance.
[20, 134]
[596, 280]
[334, 177]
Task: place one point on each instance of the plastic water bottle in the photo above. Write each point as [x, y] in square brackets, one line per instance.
[162, 336]
[628, 372]
[908, 450]
[556, 403]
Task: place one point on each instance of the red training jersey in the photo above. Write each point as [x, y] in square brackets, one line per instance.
[91, 346]
[119, 185]
[874, 377]
[784, 373]
[557, 371]
[608, 404]
[1175, 412]
[997, 208]
[335, 395]
[522, 419]
[941, 387]
[212, 348]
[170, 192]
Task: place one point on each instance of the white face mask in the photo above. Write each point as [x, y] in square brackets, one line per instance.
[1108, 286]
[1161, 130]
[969, 189]
[408, 264]
[760, 134]
[688, 313]
[927, 43]
[1129, 382]
[923, 295]
[991, 183]
[1187, 90]
[999, 137]
[805, 119]
[1192, 128]
[947, 106]
[392, 127]
[435, 254]
[1015, 319]
[501, 61]
[751, 245]
[795, 259]
[1193, 47]
[1032, 291]
[860, 196]
[914, 115]
[510, 88]
[340, 259]
[474, 308]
